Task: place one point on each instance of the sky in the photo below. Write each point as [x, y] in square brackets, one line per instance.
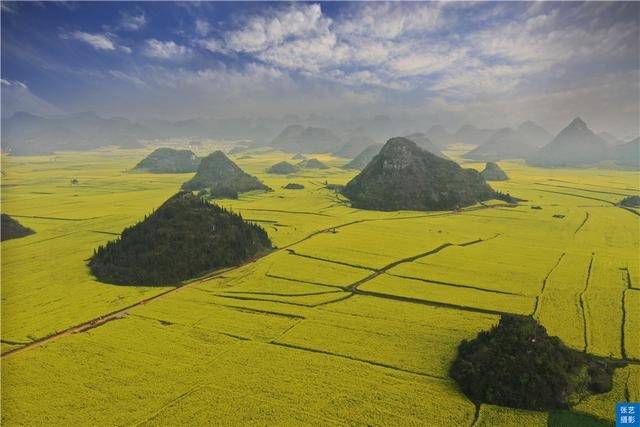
[488, 64]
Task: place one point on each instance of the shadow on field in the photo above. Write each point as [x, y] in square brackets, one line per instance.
[571, 419]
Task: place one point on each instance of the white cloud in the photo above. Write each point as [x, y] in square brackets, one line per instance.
[165, 50]
[301, 38]
[262, 32]
[16, 96]
[7, 7]
[202, 27]
[97, 41]
[392, 20]
[132, 22]
[428, 61]
[396, 54]
[14, 83]
[135, 80]
[212, 45]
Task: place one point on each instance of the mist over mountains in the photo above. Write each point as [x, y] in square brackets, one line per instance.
[29, 134]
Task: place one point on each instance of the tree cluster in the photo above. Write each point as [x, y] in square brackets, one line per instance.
[12, 229]
[517, 364]
[185, 238]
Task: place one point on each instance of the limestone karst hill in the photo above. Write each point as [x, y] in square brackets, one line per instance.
[405, 177]
[168, 160]
[217, 170]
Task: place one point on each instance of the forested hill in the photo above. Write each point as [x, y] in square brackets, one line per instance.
[184, 238]
[217, 170]
[405, 177]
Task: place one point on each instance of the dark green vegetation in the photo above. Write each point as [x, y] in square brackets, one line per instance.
[405, 177]
[216, 170]
[506, 197]
[312, 164]
[630, 202]
[493, 172]
[293, 186]
[334, 187]
[12, 229]
[185, 238]
[282, 168]
[517, 364]
[298, 156]
[573, 419]
[218, 192]
[362, 160]
[168, 160]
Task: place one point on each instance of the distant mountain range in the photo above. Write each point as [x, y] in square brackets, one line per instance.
[300, 139]
[574, 145]
[425, 143]
[627, 154]
[505, 143]
[363, 159]
[28, 134]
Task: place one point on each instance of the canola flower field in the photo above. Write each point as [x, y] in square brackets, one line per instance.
[354, 319]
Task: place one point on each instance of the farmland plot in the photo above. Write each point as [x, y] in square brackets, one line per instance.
[354, 319]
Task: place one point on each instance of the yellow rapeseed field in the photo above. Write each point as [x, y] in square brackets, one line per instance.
[354, 319]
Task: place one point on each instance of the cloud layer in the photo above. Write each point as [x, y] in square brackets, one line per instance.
[453, 62]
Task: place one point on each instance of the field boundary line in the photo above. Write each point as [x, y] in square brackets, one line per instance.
[105, 318]
[574, 195]
[362, 267]
[356, 359]
[582, 303]
[582, 189]
[586, 218]
[456, 285]
[544, 283]
[430, 303]
[627, 279]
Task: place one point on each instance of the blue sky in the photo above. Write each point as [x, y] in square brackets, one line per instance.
[491, 64]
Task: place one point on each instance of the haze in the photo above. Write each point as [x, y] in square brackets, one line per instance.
[491, 65]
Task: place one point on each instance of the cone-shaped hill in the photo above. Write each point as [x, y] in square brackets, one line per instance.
[405, 177]
[493, 172]
[575, 145]
[363, 159]
[168, 160]
[184, 238]
[282, 168]
[216, 170]
[312, 164]
[12, 229]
